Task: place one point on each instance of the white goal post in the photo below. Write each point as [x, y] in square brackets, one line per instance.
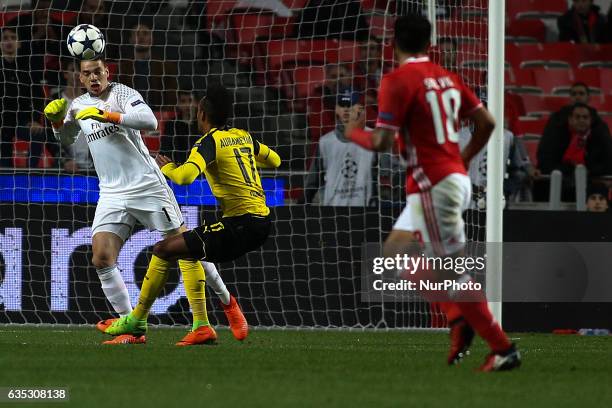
[495, 156]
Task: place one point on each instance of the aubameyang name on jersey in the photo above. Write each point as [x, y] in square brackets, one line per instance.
[238, 140]
[102, 133]
[435, 84]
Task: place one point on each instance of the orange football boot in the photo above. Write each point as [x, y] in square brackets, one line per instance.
[103, 324]
[201, 335]
[127, 339]
[237, 321]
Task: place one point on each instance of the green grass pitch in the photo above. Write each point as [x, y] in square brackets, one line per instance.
[302, 368]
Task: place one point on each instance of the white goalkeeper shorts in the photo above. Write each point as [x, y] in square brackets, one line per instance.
[436, 215]
[158, 211]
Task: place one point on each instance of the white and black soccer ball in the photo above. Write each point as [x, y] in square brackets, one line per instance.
[85, 42]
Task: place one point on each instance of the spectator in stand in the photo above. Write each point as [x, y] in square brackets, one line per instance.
[576, 143]
[146, 70]
[583, 23]
[338, 78]
[519, 171]
[371, 68]
[579, 93]
[76, 156]
[597, 198]
[42, 38]
[342, 19]
[22, 103]
[343, 169]
[181, 133]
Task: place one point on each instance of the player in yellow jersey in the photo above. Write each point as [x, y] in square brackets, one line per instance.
[229, 158]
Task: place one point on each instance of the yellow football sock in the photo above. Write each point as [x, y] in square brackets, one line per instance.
[154, 281]
[194, 281]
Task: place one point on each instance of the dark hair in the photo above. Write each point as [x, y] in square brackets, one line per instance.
[9, 28]
[217, 105]
[597, 188]
[581, 84]
[98, 58]
[578, 105]
[412, 33]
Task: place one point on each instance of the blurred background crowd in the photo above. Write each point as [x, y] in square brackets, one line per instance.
[298, 66]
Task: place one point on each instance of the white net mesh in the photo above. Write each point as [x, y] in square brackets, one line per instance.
[289, 64]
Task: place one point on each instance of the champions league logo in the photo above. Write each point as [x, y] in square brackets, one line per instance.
[350, 168]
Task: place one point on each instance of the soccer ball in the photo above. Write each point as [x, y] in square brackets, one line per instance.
[85, 42]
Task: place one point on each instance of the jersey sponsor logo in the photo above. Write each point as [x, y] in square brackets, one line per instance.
[102, 133]
[138, 102]
[233, 141]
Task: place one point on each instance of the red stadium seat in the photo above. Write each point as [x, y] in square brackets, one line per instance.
[463, 30]
[605, 79]
[473, 9]
[550, 79]
[526, 9]
[309, 52]
[295, 4]
[7, 16]
[217, 12]
[382, 26]
[307, 79]
[112, 70]
[530, 126]
[593, 52]
[21, 152]
[520, 29]
[603, 105]
[153, 143]
[377, 5]
[590, 76]
[538, 105]
[523, 82]
[551, 55]
[524, 77]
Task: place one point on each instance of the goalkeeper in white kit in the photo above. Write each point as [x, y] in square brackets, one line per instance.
[132, 189]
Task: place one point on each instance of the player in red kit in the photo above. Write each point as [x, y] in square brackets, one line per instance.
[424, 104]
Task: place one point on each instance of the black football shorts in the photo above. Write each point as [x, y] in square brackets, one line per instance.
[229, 238]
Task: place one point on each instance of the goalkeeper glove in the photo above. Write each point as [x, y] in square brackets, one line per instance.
[55, 111]
[99, 115]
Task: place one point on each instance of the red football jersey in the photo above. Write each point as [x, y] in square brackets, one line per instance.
[425, 103]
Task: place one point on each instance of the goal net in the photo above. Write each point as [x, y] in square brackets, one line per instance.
[292, 66]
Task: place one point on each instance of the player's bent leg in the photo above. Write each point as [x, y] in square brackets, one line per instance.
[194, 281]
[172, 248]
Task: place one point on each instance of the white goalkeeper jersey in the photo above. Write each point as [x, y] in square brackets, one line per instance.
[123, 163]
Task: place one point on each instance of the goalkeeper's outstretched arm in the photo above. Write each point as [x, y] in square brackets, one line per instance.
[137, 115]
[65, 127]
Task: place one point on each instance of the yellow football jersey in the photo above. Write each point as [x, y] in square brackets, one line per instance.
[228, 158]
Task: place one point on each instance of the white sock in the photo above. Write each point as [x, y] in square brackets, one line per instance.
[115, 290]
[213, 279]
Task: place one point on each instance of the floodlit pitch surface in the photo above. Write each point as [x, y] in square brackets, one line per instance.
[302, 368]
